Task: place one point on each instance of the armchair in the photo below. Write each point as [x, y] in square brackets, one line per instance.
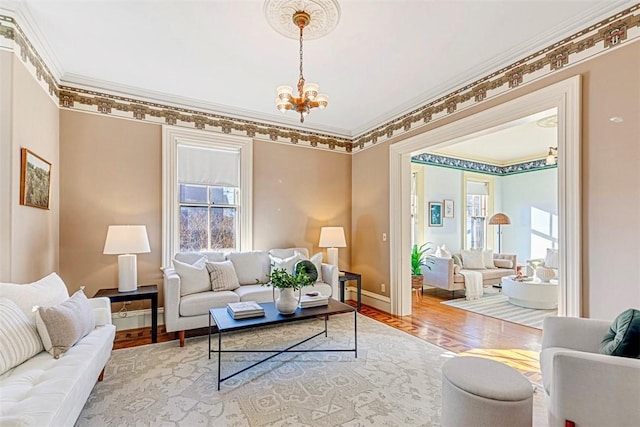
[581, 385]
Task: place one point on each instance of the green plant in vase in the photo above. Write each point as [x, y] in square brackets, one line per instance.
[287, 283]
[419, 259]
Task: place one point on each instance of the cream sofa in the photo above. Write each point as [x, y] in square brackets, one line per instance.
[442, 273]
[44, 391]
[582, 385]
[182, 312]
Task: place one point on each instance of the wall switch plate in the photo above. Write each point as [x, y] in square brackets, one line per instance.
[382, 287]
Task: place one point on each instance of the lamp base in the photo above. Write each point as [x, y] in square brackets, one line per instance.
[332, 256]
[127, 273]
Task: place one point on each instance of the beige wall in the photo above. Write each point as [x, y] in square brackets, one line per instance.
[112, 174]
[610, 184]
[30, 119]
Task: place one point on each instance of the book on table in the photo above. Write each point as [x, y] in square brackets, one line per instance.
[307, 301]
[244, 309]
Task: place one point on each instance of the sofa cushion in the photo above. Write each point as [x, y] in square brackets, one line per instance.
[222, 276]
[472, 260]
[192, 257]
[257, 293]
[62, 326]
[200, 303]
[496, 273]
[49, 290]
[251, 266]
[623, 337]
[19, 340]
[487, 258]
[194, 277]
[286, 253]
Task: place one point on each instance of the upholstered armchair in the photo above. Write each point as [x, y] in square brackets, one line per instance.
[582, 386]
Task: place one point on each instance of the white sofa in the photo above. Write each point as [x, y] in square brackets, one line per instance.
[581, 385]
[44, 391]
[183, 312]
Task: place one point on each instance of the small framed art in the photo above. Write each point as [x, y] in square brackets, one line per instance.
[435, 214]
[35, 180]
[448, 208]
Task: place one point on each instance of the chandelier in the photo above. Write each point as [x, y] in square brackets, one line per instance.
[307, 97]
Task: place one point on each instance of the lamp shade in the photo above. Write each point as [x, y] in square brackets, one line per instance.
[126, 239]
[499, 219]
[332, 237]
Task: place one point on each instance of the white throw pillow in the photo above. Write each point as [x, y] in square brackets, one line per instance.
[289, 252]
[487, 256]
[284, 263]
[19, 340]
[49, 290]
[503, 263]
[442, 252]
[551, 260]
[251, 266]
[194, 278]
[317, 262]
[222, 276]
[472, 260]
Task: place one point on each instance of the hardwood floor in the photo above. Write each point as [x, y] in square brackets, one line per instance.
[453, 329]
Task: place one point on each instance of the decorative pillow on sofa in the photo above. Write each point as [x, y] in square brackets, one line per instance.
[503, 263]
[19, 340]
[442, 252]
[286, 263]
[194, 278]
[317, 262]
[49, 290]
[551, 259]
[487, 257]
[223, 276]
[472, 260]
[623, 337]
[309, 269]
[457, 260]
[63, 325]
[251, 266]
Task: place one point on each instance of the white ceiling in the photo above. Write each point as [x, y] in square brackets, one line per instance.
[384, 58]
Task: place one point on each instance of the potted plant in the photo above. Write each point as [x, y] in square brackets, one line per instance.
[419, 260]
[287, 283]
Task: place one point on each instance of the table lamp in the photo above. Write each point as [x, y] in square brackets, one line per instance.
[126, 241]
[499, 219]
[332, 238]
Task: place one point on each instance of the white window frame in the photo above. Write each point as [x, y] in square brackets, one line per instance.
[172, 136]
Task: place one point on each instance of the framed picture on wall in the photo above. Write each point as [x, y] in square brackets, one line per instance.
[435, 214]
[35, 180]
[448, 208]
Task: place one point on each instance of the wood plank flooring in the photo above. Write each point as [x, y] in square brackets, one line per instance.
[448, 327]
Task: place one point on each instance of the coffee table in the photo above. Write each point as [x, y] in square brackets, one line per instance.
[225, 323]
[531, 293]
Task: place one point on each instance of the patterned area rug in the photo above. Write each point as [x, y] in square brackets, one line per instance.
[498, 306]
[395, 381]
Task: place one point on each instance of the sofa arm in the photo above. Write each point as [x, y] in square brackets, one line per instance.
[573, 333]
[171, 287]
[594, 390]
[101, 307]
[330, 277]
[439, 272]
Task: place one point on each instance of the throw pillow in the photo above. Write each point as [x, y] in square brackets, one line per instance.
[223, 276]
[63, 325]
[503, 263]
[551, 259]
[472, 260]
[194, 278]
[286, 263]
[623, 337]
[442, 252]
[251, 266]
[19, 340]
[49, 290]
[309, 269]
[317, 262]
[457, 260]
[487, 257]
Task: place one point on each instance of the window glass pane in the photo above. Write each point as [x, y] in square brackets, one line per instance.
[223, 228]
[193, 228]
[193, 193]
[223, 195]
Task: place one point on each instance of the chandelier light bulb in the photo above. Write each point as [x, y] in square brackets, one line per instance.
[322, 100]
[285, 92]
[551, 157]
[310, 91]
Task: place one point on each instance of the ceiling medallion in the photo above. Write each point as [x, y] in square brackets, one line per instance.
[548, 122]
[324, 17]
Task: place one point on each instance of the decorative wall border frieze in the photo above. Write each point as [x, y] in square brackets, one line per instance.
[478, 167]
[598, 38]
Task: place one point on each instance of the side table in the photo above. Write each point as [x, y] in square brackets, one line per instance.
[142, 293]
[345, 278]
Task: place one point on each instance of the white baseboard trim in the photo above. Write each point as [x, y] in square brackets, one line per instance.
[136, 319]
[369, 298]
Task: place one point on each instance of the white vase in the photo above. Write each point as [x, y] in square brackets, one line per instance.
[287, 303]
[545, 274]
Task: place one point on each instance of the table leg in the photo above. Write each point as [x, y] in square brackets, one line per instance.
[154, 318]
[325, 324]
[219, 354]
[209, 336]
[359, 291]
[342, 285]
[355, 331]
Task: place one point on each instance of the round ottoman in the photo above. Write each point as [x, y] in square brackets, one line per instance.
[481, 392]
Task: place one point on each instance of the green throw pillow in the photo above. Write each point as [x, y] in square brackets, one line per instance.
[623, 337]
[457, 260]
[309, 269]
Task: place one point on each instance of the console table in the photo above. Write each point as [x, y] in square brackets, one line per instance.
[142, 293]
[343, 278]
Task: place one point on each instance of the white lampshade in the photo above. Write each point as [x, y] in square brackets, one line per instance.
[125, 241]
[310, 90]
[322, 100]
[332, 237]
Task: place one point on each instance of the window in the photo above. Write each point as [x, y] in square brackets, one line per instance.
[206, 192]
[478, 197]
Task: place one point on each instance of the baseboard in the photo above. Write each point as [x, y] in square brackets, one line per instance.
[371, 299]
[135, 319]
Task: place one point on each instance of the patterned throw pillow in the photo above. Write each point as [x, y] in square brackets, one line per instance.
[223, 276]
[19, 340]
[63, 325]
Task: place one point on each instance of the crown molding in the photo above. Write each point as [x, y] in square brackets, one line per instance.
[476, 166]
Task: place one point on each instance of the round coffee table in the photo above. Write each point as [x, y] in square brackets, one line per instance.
[531, 293]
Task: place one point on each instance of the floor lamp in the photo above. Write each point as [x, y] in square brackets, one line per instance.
[499, 219]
